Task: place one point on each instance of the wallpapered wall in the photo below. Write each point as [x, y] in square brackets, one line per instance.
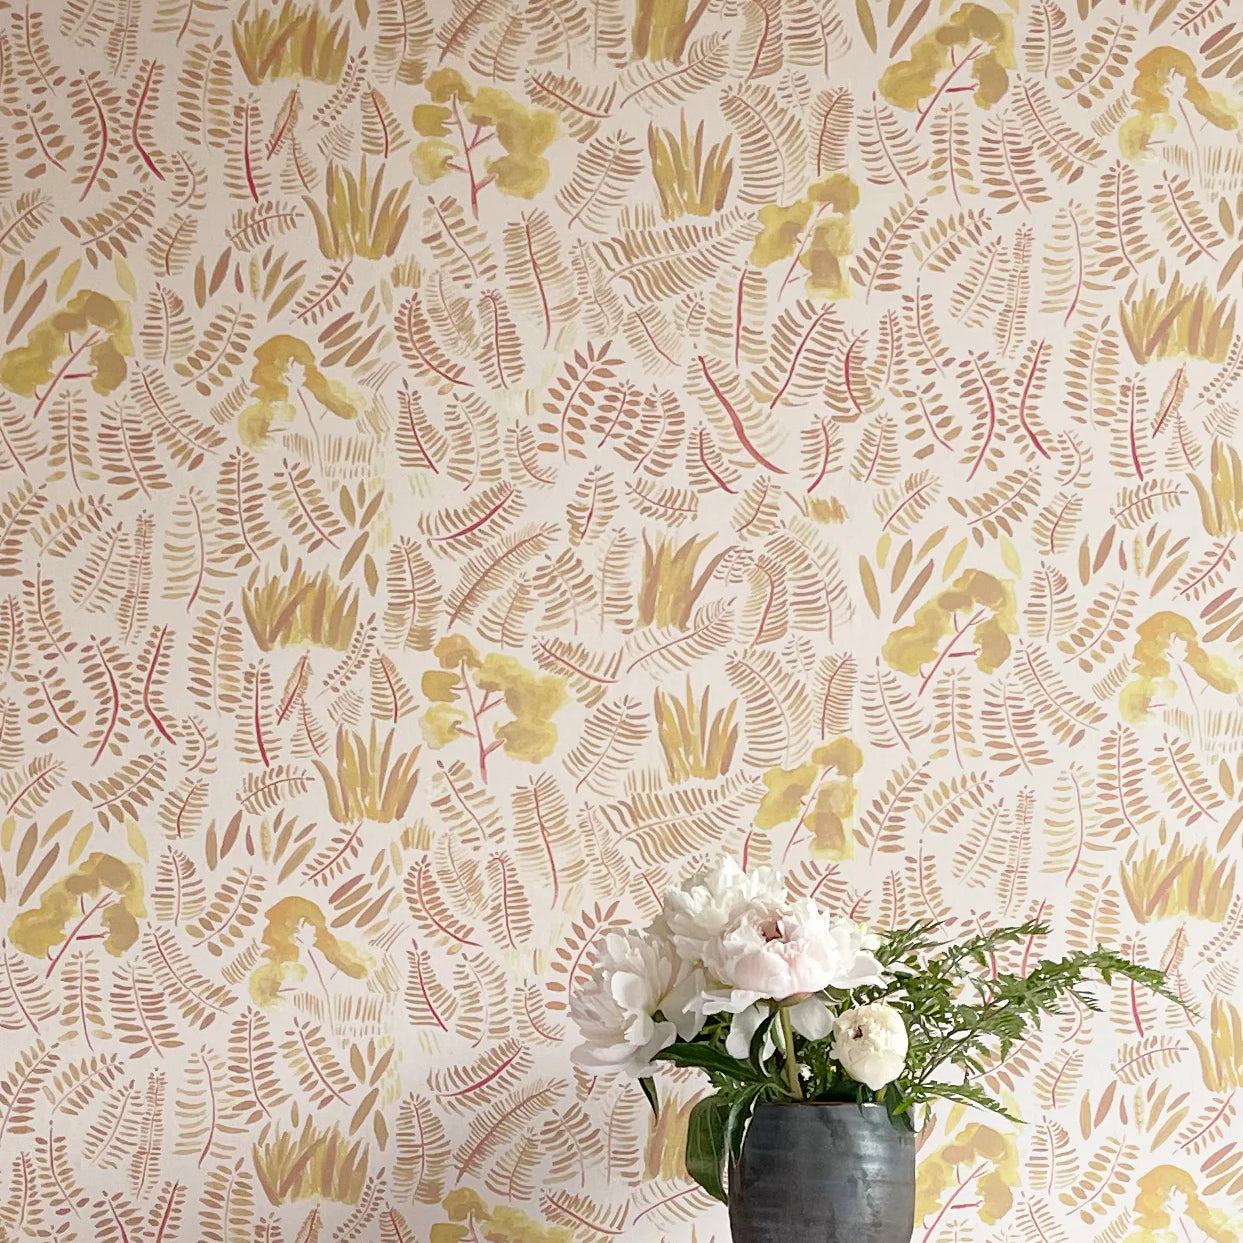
[462, 463]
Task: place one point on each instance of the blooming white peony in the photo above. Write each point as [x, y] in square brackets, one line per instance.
[713, 899]
[784, 951]
[636, 974]
[871, 1043]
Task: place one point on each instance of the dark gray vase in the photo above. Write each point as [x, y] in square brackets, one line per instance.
[823, 1173]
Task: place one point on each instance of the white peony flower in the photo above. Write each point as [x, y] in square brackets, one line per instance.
[789, 951]
[636, 974]
[871, 1043]
[713, 899]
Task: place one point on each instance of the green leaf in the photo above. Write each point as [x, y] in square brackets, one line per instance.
[740, 1110]
[705, 1057]
[705, 1145]
[648, 1084]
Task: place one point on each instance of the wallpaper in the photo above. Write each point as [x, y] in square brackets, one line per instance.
[463, 462]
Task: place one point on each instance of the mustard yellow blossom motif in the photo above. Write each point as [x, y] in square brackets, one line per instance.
[962, 40]
[271, 380]
[38, 930]
[977, 1154]
[470, 1218]
[1153, 104]
[1155, 1223]
[91, 322]
[976, 602]
[282, 952]
[830, 803]
[782, 234]
[454, 125]
[1153, 667]
[468, 686]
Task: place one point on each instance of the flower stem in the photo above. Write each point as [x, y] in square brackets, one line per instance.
[787, 1039]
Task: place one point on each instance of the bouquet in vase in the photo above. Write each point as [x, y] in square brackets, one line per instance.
[776, 1000]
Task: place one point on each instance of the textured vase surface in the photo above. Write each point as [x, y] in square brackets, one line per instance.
[823, 1173]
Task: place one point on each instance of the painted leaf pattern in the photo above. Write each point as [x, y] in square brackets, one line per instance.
[462, 462]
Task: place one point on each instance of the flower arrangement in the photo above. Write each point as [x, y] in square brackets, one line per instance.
[778, 1001]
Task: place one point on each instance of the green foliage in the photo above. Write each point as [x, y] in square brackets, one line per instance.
[961, 1015]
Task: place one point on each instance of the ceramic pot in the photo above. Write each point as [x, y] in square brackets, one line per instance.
[823, 1173]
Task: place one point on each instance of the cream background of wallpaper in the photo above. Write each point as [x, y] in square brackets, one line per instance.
[461, 464]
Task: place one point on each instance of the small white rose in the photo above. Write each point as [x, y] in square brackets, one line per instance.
[871, 1043]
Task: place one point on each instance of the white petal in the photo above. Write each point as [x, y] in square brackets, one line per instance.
[744, 1026]
[812, 1018]
[742, 1031]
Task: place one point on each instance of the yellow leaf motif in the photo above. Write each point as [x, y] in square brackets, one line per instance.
[1221, 502]
[988, 606]
[695, 742]
[87, 317]
[313, 1165]
[1154, 1221]
[369, 781]
[300, 608]
[991, 1157]
[1153, 105]
[1177, 321]
[277, 362]
[37, 931]
[688, 181]
[283, 963]
[357, 217]
[955, 43]
[662, 27]
[294, 42]
[1221, 1056]
[1172, 880]
[1153, 667]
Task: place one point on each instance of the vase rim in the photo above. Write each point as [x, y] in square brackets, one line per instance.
[820, 1104]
